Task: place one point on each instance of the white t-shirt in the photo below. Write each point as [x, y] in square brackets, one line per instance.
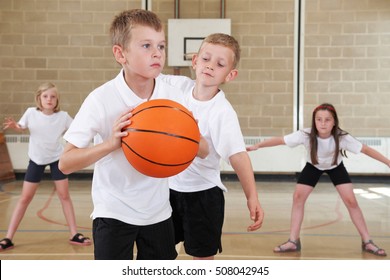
[46, 132]
[326, 147]
[219, 125]
[118, 190]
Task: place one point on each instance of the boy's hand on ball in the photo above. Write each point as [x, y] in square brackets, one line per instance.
[118, 132]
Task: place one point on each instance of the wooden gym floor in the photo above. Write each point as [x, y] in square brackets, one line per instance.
[327, 232]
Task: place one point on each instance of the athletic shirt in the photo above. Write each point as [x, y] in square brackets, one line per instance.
[219, 125]
[45, 144]
[326, 147]
[118, 190]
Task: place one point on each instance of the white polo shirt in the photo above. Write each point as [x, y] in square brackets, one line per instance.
[218, 123]
[118, 190]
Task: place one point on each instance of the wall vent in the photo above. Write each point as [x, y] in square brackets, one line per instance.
[371, 141]
[11, 138]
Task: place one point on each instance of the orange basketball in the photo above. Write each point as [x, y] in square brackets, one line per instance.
[163, 138]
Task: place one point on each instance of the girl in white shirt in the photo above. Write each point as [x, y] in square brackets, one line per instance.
[324, 143]
[46, 124]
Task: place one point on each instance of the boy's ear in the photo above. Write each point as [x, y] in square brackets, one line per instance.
[194, 58]
[231, 76]
[118, 54]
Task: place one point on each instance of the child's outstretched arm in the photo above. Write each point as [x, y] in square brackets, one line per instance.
[275, 141]
[11, 123]
[74, 158]
[243, 167]
[375, 154]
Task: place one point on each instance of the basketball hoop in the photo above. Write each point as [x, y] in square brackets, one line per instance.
[188, 57]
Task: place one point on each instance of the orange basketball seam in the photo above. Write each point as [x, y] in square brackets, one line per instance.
[155, 162]
[165, 106]
[161, 132]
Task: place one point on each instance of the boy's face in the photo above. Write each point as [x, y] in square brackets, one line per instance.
[214, 64]
[145, 54]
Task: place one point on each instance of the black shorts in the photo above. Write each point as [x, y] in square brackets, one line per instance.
[310, 175]
[35, 172]
[198, 220]
[114, 240]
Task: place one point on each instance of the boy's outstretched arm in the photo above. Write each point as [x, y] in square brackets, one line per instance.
[74, 158]
[375, 154]
[243, 167]
[275, 141]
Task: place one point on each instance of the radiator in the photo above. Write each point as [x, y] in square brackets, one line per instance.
[275, 160]
[18, 150]
[363, 164]
[282, 159]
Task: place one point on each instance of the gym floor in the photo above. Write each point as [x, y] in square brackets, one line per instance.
[327, 232]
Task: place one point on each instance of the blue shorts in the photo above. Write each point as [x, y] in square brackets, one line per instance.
[198, 220]
[35, 172]
[310, 175]
[114, 240]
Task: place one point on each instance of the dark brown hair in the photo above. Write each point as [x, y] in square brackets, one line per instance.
[336, 133]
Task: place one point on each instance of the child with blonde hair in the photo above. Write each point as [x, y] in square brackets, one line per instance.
[130, 208]
[197, 193]
[46, 124]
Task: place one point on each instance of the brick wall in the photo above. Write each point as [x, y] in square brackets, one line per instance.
[346, 56]
[347, 62]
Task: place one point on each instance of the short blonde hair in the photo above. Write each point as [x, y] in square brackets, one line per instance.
[41, 89]
[123, 23]
[226, 41]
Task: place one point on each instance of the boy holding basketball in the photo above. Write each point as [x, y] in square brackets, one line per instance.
[129, 207]
[198, 189]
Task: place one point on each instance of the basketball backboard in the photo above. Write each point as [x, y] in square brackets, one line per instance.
[186, 35]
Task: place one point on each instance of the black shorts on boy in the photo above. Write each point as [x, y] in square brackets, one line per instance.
[198, 220]
[114, 240]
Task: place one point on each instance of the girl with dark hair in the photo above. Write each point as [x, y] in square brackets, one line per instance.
[325, 143]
